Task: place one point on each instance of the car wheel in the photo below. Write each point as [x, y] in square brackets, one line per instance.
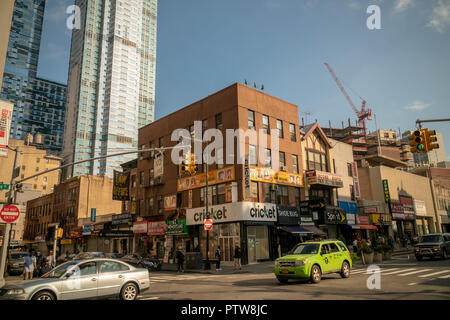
[129, 292]
[316, 274]
[345, 270]
[418, 258]
[43, 295]
[444, 254]
[282, 280]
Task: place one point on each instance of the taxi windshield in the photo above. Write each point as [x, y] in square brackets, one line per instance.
[311, 248]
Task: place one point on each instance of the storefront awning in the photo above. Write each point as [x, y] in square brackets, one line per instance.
[368, 227]
[314, 230]
[297, 230]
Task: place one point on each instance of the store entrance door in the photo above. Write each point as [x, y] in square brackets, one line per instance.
[251, 245]
[227, 244]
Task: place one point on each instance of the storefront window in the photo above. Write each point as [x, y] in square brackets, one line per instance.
[258, 243]
[282, 195]
[269, 193]
[226, 235]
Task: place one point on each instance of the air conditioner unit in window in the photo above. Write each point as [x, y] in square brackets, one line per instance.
[283, 168]
[274, 187]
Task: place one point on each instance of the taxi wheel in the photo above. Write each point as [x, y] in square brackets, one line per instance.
[129, 292]
[345, 270]
[282, 280]
[316, 274]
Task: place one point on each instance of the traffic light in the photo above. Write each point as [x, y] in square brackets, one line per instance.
[417, 141]
[188, 166]
[193, 168]
[19, 187]
[60, 233]
[430, 137]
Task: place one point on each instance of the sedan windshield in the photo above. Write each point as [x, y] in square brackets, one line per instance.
[435, 238]
[17, 256]
[312, 248]
[59, 271]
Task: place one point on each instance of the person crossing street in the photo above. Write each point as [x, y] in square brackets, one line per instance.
[218, 256]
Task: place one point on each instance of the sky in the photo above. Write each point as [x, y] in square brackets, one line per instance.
[203, 46]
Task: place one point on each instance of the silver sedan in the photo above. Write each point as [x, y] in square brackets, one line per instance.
[82, 279]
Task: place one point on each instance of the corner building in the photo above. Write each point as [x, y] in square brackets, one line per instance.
[243, 206]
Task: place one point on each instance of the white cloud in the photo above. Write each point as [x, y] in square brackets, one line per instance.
[440, 19]
[356, 4]
[402, 5]
[418, 106]
[272, 4]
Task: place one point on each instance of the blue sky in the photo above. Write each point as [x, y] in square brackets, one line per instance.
[402, 70]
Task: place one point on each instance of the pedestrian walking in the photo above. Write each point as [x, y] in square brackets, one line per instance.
[355, 245]
[218, 256]
[29, 266]
[51, 259]
[237, 258]
[46, 268]
[180, 260]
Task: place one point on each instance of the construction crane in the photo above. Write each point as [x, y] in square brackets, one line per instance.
[363, 114]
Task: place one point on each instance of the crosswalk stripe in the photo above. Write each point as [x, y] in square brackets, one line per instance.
[433, 274]
[414, 272]
[357, 271]
[445, 277]
[387, 270]
[398, 271]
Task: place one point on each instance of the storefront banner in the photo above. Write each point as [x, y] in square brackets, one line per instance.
[86, 231]
[247, 177]
[140, 227]
[408, 207]
[6, 111]
[75, 233]
[316, 177]
[351, 218]
[214, 177]
[378, 218]
[170, 202]
[420, 208]
[370, 210]
[156, 228]
[356, 180]
[334, 215]
[66, 241]
[288, 215]
[349, 207]
[235, 211]
[116, 233]
[363, 220]
[124, 218]
[308, 206]
[306, 220]
[271, 176]
[121, 186]
[397, 210]
[177, 227]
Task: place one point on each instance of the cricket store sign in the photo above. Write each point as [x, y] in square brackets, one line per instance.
[231, 212]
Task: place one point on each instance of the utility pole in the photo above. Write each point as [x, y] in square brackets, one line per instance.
[8, 227]
[419, 122]
[55, 239]
[207, 263]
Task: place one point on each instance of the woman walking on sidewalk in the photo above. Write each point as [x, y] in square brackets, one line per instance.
[180, 260]
[218, 257]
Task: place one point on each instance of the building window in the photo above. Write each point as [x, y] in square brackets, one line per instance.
[292, 132]
[280, 128]
[133, 181]
[160, 205]
[141, 178]
[267, 158]
[37, 169]
[218, 121]
[141, 208]
[161, 142]
[282, 195]
[251, 119]
[316, 161]
[254, 191]
[150, 206]
[265, 124]
[269, 192]
[294, 163]
[38, 160]
[350, 169]
[191, 130]
[352, 193]
[253, 156]
[205, 124]
[282, 161]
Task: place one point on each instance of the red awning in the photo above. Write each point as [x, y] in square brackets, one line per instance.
[368, 227]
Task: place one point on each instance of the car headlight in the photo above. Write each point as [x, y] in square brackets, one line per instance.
[436, 248]
[15, 291]
[300, 263]
[417, 248]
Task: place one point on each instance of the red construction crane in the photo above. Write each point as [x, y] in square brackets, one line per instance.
[363, 114]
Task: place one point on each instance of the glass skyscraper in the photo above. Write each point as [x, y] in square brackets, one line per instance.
[39, 104]
[111, 85]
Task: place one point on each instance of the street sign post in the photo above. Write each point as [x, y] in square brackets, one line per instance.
[4, 186]
[208, 224]
[8, 215]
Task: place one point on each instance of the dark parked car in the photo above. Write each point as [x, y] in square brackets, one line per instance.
[433, 245]
[136, 260]
[16, 262]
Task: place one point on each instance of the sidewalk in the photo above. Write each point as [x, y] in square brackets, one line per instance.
[262, 267]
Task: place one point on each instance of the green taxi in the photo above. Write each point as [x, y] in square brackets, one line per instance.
[310, 260]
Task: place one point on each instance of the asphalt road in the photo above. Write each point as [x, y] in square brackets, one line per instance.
[402, 278]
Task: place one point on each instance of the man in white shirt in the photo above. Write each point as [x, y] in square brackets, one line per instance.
[29, 266]
[51, 259]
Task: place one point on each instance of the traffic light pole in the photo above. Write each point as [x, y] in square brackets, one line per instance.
[419, 122]
[207, 263]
